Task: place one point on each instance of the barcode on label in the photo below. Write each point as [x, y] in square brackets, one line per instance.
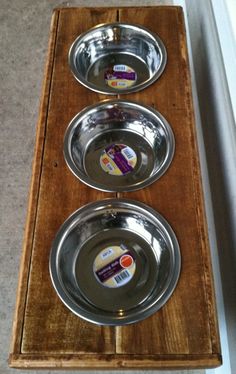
[128, 153]
[122, 277]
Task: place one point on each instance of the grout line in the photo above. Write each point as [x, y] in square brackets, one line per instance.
[118, 15]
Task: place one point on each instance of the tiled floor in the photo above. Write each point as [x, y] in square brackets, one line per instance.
[24, 27]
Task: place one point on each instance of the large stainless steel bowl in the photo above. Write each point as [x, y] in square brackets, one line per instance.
[118, 145]
[115, 262]
[117, 57]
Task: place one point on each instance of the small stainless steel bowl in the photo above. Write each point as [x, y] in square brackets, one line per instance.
[115, 262]
[118, 145]
[117, 57]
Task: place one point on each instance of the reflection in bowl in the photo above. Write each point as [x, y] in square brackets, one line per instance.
[117, 57]
[115, 262]
[118, 145]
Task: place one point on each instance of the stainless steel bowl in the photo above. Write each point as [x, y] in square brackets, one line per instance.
[118, 145]
[117, 57]
[115, 262]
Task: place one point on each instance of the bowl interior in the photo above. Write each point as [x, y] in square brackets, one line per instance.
[117, 57]
[119, 146]
[115, 264]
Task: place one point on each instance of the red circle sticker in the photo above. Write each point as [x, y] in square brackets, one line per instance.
[126, 261]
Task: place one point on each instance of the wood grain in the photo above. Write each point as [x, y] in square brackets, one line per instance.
[48, 325]
[183, 334]
[184, 324]
[115, 362]
[34, 190]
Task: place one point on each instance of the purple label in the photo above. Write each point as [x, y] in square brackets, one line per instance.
[111, 268]
[114, 152]
[120, 75]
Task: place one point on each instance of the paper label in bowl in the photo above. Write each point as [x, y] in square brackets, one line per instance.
[120, 76]
[118, 159]
[114, 266]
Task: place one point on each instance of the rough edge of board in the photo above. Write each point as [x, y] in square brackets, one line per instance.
[200, 204]
[120, 361]
[18, 319]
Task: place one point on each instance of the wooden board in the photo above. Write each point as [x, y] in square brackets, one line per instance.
[183, 334]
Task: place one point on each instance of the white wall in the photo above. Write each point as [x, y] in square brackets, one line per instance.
[212, 50]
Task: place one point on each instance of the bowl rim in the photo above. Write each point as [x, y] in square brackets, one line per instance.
[104, 103]
[112, 320]
[111, 91]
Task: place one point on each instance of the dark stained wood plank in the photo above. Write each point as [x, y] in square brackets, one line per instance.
[186, 324]
[48, 325]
